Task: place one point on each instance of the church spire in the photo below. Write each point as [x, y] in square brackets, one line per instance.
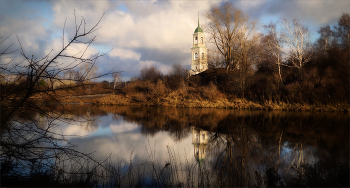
[198, 29]
[198, 19]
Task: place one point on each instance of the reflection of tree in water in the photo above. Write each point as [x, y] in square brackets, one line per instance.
[150, 131]
[253, 148]
[116, 117]
[247, 148]
[83, 116]
[235, 148]
[328, 131]
[250, 151]
[90, 124]
[177, 130]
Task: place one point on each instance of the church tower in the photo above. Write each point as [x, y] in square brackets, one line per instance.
[199, 52]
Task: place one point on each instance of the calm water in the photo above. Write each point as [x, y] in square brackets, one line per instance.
[255, 140]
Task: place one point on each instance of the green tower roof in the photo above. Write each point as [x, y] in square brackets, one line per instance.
[198, 29]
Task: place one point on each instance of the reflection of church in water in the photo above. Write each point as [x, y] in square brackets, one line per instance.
[199, 141]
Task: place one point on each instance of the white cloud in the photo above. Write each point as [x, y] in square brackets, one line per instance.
[136, 28]
[124, 54]
[147, 63]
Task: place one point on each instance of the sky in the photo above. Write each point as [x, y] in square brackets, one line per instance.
[139, 33]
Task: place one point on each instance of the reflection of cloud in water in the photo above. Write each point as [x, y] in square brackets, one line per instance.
[98, 126]
[122, 145]
[130, 131]
[107, 120]
[75, 130]
[78, 129]
[232, 136]
[124, 127]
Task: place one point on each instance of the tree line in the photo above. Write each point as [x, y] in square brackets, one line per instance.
[278, 61]
[275, 63]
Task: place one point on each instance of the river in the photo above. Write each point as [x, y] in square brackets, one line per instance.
[274, 148]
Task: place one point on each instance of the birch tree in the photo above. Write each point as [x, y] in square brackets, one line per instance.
[88, 72]
[117, 79]
[296, 39]
[273, 47]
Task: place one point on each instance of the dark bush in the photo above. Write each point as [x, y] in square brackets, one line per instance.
[105, 84]
[151, 74]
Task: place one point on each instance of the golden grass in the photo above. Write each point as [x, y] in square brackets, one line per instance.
[183, 102]
[151, 94]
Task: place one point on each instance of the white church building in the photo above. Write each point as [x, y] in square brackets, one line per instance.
[198, 52]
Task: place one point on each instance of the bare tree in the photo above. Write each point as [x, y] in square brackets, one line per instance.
[176, 77]
[326, 38]
[343, 30]
[215, 59]
[226, 21]
[117, 79]
[342, 33]
[247, 41]
[25, 140]
[151, 73]
[88, 72]
[273, 47]
[70, 75]
[178, 71]
[297, 40]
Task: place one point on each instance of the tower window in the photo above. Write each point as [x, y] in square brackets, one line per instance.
[202, 40]
[197, 137]
[196, 40]
[196, 56]
[202, 55]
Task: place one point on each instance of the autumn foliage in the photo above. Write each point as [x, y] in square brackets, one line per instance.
[261, 76]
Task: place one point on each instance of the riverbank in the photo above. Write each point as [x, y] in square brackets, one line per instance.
[180, 102]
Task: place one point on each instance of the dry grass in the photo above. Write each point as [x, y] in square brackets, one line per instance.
[178, 99]
[146, 93]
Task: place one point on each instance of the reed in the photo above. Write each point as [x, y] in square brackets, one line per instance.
[225, 172]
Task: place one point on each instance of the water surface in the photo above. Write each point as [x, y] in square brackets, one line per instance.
[256, 142]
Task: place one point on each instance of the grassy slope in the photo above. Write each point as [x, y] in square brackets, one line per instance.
[147, 94]
[221, 103]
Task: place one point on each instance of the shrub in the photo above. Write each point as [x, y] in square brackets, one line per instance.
[137, 86]
[176, 76]
[151, 74]
[211, 92]
[139, 97]
[159, 90]
[105, 84]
